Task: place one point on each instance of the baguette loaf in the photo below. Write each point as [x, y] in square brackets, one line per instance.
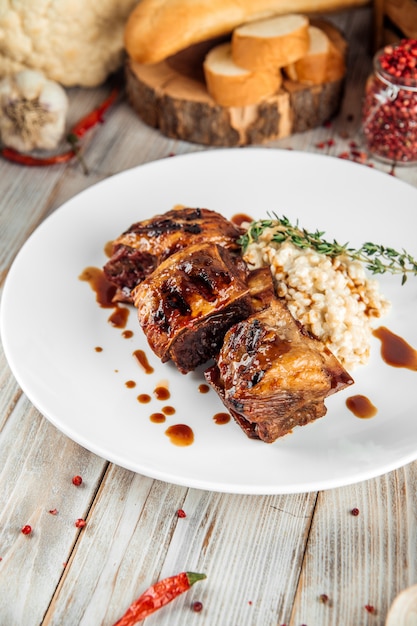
[232, 86]
[273, 42]
[157, 29]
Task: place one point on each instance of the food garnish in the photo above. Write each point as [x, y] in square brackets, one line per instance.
[157, 596]
[377, 258]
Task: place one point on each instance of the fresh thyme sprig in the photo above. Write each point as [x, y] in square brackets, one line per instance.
[378, 259]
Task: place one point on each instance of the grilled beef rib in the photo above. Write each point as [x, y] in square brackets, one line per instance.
[142, 247]
[189, 301]
[271, 374]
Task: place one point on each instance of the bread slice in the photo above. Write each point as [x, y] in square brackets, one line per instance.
[312, 67]
[232, 86]
[274, 42]
[321, 64]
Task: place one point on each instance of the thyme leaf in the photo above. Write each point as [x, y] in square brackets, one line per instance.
[378, 259]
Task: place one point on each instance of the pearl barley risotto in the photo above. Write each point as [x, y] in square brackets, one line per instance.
[332, 297]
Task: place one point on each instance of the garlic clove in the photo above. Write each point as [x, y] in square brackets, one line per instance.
[29, 83]
[53, 97]
[403, 611]
[33, 111]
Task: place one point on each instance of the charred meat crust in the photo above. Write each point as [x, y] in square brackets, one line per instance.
[146, 244]
[186, 306]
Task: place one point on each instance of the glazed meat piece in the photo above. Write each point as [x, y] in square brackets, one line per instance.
[187, 304]
[140, 249]
[272, 375]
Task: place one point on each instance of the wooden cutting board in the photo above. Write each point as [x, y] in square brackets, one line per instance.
[172, 97]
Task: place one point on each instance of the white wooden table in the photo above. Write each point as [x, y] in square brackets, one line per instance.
[269, 559]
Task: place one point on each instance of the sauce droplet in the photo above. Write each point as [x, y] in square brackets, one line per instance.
[180, 435]
[127, 334]
[98, 349]
[130, 384]
[119, 317]
[361, 406]
[203, 388]
[144, 398]
[221, 418]
[168, 410]
[142, 359]
[395, 351]
[157, 418]
[239, 218]
[161, 393]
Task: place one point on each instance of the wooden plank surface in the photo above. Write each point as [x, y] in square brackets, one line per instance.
[270, 560]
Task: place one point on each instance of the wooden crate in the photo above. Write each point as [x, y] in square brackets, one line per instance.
[394, 20]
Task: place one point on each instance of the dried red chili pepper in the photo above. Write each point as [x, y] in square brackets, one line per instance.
[157, 596]
[26, 159]
[79, 130]
[96, 116]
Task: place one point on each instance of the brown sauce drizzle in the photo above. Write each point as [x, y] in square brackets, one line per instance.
[127, 334]
[157, 418]
[119, 317]
[98, 349]
[130, 384]
[105, 292]
[142, 359]
[180, 435]
[144, 398]
[395, 351]
[203, 388]
[161, 393]
[221, 418]
[361, 407]
[168, 410]
[239, 218]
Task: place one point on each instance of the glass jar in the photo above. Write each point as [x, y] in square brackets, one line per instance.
[389, 115]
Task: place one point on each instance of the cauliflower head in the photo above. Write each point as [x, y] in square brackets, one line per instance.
[73, 42]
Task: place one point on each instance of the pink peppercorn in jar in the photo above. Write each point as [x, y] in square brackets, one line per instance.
[389, 116]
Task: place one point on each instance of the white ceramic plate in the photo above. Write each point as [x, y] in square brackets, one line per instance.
[51, 324]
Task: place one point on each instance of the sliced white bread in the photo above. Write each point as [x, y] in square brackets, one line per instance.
[321, 64]
[232, 86]
[274, 42]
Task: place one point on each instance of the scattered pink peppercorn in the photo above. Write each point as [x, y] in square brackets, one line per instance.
[324, 598]
[355, 512]
[197, 607]
[26, 530]
[181, 513]
[80, 523]
[53, 512]
[370, 609]
[77, 481]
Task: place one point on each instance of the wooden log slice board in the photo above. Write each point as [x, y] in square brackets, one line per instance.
[172, 97]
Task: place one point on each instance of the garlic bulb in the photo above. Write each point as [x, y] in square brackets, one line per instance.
[33, 111]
